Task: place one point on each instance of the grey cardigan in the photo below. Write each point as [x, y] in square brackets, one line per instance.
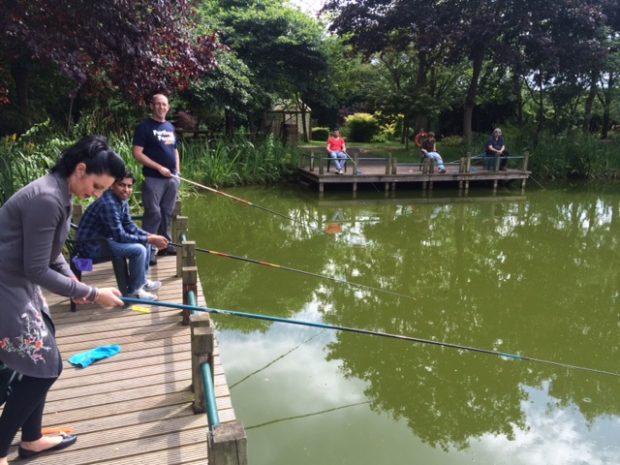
[34, 224]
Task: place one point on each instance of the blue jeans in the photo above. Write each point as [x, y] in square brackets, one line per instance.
[337, 156]
[138, 256]
[437, 158]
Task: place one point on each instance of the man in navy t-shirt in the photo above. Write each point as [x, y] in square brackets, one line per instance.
[154, 146]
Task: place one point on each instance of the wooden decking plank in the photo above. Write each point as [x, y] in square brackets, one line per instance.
[181, 363]
[135, 407]
[132, 448]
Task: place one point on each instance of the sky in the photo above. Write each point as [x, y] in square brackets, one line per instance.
[309, 6]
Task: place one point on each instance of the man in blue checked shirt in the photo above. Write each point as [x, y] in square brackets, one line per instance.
[109, 217]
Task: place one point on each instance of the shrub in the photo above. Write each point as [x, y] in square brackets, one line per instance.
[362, 127]
[320, 133]
[452, 141]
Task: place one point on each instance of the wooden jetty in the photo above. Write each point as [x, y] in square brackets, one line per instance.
[315, 169]
[138, 407]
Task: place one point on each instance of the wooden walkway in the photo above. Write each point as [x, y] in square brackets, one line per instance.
[134, 408]
[390, 173]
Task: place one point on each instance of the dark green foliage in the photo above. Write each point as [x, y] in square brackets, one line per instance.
[320, 133]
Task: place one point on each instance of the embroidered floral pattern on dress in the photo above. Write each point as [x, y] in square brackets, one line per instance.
[31, 342]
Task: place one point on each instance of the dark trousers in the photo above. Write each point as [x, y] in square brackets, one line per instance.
[490, 160]
[159, 196]
[24, 409]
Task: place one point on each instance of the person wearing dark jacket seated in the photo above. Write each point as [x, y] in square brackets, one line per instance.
[108, 217]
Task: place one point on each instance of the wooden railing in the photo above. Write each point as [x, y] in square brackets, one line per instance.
[227, 442]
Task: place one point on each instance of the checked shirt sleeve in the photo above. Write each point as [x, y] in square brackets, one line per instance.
[115, 216]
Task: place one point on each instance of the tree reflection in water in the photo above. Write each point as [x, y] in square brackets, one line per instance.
[536, 274]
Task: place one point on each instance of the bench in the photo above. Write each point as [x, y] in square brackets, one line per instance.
[350, 153]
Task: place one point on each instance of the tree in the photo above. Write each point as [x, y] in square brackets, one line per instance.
[282, 48]
[137, 46]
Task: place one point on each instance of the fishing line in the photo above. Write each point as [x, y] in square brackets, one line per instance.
[401, 337]
[296, 270]
[306, 415]
[251, 204]
[275, 360]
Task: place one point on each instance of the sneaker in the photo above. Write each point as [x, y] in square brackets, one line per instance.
[153, 260]
[151, 285]
[442, 171]
[142, 294]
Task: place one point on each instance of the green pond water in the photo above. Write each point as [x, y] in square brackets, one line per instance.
[534, 274]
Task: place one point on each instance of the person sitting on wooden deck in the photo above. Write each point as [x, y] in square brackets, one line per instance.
[109, 217]
[496, 148]
[429, 149]
[337, 149]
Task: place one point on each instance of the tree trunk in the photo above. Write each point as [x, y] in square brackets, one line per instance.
[587, 118]
[229, 121]
[607, 98]
[20, 75]
[516, 91]
[302, 106]
[540, 112]
[421, 82]
[470, 100]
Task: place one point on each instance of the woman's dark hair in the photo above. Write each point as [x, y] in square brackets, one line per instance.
[95, 153]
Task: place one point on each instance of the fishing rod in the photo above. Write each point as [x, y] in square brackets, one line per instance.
[401, 337]
[296, 270]
[248, 203]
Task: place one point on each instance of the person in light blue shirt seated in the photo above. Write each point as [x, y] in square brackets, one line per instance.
[429, 149]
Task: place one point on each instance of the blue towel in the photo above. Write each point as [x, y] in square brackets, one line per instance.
[85, 359]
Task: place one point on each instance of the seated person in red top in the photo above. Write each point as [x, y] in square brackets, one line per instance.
[337, 149]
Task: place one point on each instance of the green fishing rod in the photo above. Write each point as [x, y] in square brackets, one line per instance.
[401, 337]
[296, 270]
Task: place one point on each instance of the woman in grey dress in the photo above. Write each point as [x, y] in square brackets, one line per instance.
[35, 224]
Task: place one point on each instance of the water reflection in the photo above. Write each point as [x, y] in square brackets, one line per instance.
[535, 275]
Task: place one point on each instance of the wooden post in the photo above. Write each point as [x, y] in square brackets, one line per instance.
[526, 158]
[321, 168]
[202, 343]
[388, 166]
[190, 283]
[188, 254]
[355, 163]
[179, 230]
[495, 186]
[228, 444]
[177, 209]
[468, 162]
[496, 168]
[312, 162]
